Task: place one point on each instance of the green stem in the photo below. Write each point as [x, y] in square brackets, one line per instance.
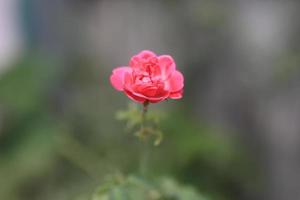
[145, 110]
[145, 147]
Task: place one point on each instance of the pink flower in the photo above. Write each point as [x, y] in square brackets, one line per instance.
[149, 78]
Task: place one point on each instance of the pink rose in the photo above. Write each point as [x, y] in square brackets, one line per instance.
[149, 78]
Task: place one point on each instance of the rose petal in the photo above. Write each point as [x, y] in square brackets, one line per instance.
[128, 89]
[159, 96]
[150, 92]
[139, 94]
[176, 82]
[136, 61]
[134, 97]
[176, 95]
[167, 66]
[117, 77]
[146, 54]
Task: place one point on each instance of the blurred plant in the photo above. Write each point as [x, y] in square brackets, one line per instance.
[149, 79]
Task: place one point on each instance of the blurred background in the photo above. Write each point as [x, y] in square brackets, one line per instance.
[234, 136]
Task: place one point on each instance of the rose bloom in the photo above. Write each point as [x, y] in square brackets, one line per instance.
[149, 78]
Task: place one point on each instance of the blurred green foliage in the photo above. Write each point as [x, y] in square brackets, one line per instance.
[136, 188]
[26, 140]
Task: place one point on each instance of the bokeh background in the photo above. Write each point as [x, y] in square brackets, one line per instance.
[234, 136]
